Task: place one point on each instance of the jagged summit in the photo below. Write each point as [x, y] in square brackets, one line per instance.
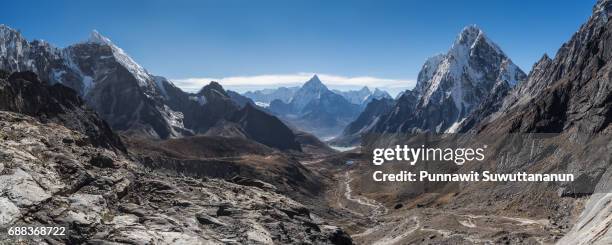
[4, 27]
[315, 78]
[9, 34]
[469, 34]
[96, 37]
[212, 86]
[472, 37]
[543, 60]
[314, 82]
[602, 6]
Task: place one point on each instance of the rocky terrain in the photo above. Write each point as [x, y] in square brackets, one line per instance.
[52, 177]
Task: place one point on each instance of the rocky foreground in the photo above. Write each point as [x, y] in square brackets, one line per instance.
[52, 176]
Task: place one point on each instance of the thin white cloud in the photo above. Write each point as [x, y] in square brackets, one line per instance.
[244, 83]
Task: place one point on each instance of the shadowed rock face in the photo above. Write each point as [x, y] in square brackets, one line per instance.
[239, 99]
[265, 128]
[572, 95]
[571, 91]
[22, 92]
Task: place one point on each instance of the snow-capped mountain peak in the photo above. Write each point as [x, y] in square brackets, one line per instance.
[13, 49]
[473, 57]
[96, 37]
[311, 90]
[314, 83]
[450, 86]
[143, 77]
[471, 36]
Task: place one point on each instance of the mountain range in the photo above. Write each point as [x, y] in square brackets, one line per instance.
[314, 108]
[128, 97]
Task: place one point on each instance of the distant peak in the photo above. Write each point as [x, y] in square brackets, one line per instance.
[365, 89]
[96, 37]
[542, 62]
[314, 82]
[212, 86]
[473, 28]
[5, 27]
[7, 30]
[315, 78]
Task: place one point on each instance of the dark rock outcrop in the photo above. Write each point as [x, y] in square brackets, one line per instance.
[22, 92]
[265, 128]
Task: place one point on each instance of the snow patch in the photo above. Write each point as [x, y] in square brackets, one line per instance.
[174, 118]
[159, 82]
[453, 128]
[201, 99]
[262, 104]
[88, 83]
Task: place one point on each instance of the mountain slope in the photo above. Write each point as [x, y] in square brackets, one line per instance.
[366, 120]
[571, 95]
[265, 128]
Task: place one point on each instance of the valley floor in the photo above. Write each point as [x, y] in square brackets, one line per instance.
[369, 221]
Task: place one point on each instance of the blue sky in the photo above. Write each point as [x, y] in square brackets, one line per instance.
[352, 43]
